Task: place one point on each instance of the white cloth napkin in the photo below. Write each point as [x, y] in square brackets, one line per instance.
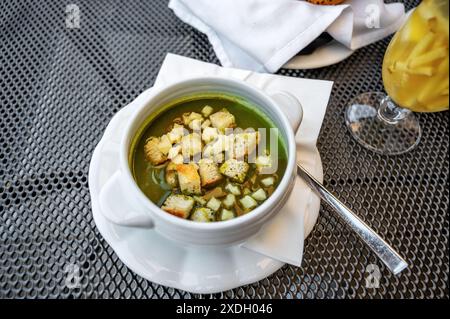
[282, 238]
[262, 35]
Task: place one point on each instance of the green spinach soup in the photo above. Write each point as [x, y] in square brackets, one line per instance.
[208, 157]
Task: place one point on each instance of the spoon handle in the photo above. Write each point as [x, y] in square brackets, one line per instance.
[383, 250]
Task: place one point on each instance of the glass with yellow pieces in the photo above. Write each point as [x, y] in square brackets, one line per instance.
[415, 76]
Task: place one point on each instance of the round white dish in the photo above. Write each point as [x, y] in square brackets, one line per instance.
[331, 53]
[166, 262]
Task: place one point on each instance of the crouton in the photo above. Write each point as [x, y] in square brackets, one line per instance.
[195, 125]
[174, 151]
[164, 144]
[263, 164]
[171, 175]
[191, 145]
[178, 205]
[222, 120]
[203, 214]
[245, 144]
[176, 133]
[178, 159]
[209, 134]
[207, 110]
[188, 178]
[235, 170]
[209, 172]
[152, 152]
[206, 124]
[191, 116]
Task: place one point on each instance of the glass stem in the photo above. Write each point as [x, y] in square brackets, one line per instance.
[390, 112]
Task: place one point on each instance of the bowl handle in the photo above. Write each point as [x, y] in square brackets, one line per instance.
[290, 106]
[117, 207]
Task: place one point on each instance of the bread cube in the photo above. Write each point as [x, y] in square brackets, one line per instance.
[191, 145]
[222, 120]
[207, 110]
[195, 125]
[178, 205]
[171, 175]
[188, 179]
[191, 116]
[152, 152]
[164, 144]
[206, 124]
[235, 170]
[245, 144]
[174, 151]
[176, 133]
[209, 172]
[209, 134]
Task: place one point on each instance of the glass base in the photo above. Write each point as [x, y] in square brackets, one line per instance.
[384, 129]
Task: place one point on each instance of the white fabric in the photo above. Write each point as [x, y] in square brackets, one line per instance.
[262, 35]
[282, 238]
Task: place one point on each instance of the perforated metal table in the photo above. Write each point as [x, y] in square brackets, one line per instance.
[59, 87]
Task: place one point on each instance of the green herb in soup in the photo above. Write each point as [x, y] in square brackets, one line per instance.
[201, 158]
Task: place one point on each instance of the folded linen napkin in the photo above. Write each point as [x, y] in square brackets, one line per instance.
[282, 238]
[262, 35]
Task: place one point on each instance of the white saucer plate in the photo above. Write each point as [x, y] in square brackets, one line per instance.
[168, 263]
[329, 54]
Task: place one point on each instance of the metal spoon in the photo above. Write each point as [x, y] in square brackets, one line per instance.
[382, 249]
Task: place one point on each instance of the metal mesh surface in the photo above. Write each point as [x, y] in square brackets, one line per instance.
[59, 87]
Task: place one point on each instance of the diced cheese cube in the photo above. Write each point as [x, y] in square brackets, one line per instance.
[226, 214]
[214, 204]
[259, 195]
[248, 202]
[229, 201]
[235, 170]
[268, 181]
[178, 205]
[233, 189]
[207, 110]
[203, 215]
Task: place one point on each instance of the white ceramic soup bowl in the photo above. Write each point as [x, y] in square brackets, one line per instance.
[123, 203]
